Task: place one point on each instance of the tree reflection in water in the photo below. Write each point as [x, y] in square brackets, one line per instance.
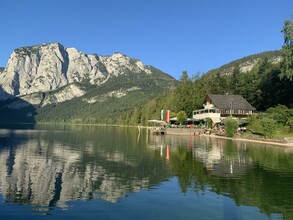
[250, 174]
[50, 167]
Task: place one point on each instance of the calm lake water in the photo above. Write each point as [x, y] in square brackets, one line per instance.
[92, 172]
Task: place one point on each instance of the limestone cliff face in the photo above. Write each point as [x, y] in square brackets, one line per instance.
[48, 67]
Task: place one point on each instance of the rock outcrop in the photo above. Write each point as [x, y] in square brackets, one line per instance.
[48, 67]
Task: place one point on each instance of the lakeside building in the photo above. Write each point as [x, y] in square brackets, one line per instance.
[218, 107]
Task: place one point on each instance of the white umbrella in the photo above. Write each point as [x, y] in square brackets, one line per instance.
[158, 122]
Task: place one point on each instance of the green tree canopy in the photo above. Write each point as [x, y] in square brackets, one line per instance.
[230, 126]
[234, 80]
[181, 117]
[184, 94]
[287, 51]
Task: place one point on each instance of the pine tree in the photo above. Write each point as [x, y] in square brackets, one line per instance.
[184, 94]
[287, 52]
[234, 81]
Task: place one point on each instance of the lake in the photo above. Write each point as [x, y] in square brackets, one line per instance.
[96, 172]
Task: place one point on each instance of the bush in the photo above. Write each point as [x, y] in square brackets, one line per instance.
[268, 126]
[231, 126]
[290, 122]
[281, 130]
[254, 124]
[280, 114]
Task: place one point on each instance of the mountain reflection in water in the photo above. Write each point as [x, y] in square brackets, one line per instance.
[48, 167]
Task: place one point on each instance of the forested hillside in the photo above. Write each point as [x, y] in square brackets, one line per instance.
[108, 103]
[246, 63]
[265, 80]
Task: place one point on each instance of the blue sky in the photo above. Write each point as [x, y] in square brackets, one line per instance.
[191, 35]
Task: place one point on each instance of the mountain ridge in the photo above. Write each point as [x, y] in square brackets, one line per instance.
[47, 67]
[247, 63]
[28, 66]
[52, 83]
[46, 75]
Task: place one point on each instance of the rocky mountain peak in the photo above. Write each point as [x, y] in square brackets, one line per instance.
[119, 64]
[47, 67]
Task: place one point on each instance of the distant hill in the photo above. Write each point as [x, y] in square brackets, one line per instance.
[51, 83]
[247, 63]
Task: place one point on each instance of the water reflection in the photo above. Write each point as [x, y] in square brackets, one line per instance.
[49, 167]
[220, 157]
[250, 174]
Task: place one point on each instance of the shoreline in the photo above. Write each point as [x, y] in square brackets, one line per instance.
[176, 131]
[200, 133]
[251, 140]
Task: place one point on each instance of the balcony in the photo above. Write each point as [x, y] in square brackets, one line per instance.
[211, 113]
